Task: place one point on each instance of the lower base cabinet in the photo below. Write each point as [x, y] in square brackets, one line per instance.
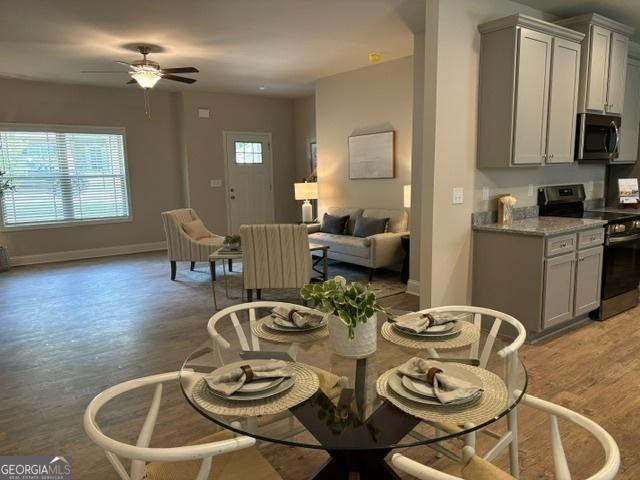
[541, 281]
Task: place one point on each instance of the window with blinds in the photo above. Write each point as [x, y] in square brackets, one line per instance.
[63, 175]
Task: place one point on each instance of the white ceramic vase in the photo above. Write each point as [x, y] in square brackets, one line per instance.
[363, 344]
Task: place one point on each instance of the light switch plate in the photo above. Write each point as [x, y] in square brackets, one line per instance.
[215, 183]
[203, 113]
[485, 193]
[531, 190]
[458, 195]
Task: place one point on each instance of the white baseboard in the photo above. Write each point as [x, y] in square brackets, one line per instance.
[413, 287]
[87, 253]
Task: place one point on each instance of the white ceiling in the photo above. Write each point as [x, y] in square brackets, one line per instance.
[624, 11]
[238, 45]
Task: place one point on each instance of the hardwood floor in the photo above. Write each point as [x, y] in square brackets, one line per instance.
[70, 330]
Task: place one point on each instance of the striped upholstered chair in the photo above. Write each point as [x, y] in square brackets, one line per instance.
[188, 240]
[275, 256]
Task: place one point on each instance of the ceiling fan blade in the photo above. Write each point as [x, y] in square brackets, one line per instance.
[124, 63]
[176, 78]
[131, 81]
[180, 70]
[103, 71]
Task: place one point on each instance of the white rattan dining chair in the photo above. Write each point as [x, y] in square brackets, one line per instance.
[510, 353]
[245, 315]
[238, 456]
[473, 465]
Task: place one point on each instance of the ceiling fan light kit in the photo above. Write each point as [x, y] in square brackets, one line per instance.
[147, 73]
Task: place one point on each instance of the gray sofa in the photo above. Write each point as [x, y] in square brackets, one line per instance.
[376, 251]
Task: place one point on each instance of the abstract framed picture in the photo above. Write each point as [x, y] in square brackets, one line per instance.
[372, 155]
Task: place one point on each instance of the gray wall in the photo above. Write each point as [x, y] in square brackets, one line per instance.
[152, 153]
[304, 127]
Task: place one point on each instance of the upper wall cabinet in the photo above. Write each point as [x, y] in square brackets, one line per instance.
[604, 63]
[529, 80]
[630, 127]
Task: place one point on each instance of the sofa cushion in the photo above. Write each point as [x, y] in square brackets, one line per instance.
[195, 229]
[397, 218]
[333, 224]
[352, 212]
[345, 244]
[367, 226]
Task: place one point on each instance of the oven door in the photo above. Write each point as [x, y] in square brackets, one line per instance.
[621, 267]
[598, 137]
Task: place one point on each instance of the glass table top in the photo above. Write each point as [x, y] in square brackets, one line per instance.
[367, 421]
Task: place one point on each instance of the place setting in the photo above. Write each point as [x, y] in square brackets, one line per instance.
[441, 391]
[255, 387]
[423, 330]
[291, 325]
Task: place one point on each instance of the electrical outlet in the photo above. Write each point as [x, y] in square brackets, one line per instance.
[215, 183]
[458, 195]
[485, 193]
[531, 190]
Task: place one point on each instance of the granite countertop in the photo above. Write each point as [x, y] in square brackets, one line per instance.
[542, 226]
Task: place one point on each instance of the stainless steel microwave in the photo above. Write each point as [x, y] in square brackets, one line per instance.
[598, 137]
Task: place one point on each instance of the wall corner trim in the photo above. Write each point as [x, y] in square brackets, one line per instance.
[413, 287]
[87, 253]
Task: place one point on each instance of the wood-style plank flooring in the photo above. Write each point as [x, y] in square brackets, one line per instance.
[70, 330]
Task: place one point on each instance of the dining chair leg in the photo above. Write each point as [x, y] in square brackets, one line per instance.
[512, 423]
[193, 266]
[370, 274]
[249, 295]
[173, 270]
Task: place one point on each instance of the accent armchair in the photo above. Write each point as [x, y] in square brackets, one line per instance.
[188, 240]
[275, 256]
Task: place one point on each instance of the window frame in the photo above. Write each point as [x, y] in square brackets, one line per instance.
[64, 128]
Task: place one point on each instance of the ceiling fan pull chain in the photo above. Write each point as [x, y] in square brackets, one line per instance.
[147, 104]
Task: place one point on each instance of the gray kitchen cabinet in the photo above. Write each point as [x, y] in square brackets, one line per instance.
[559, 288]
[588, 280]
[630, 127]
[545, 282]
[603, 63]
[529, 80]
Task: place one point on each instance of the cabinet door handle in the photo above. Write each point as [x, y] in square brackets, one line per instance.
[544, 156]
[551, 155]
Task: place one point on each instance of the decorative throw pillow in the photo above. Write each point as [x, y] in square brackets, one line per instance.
[195, 229]
[333, 224]
[367, 226]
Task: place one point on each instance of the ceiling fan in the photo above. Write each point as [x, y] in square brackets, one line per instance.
[147, 73]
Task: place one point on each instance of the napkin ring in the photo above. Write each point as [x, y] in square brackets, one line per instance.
[432, 320]
[431, 374]
[248, 372]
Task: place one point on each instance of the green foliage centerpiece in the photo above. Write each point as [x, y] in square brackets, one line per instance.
[352, 309]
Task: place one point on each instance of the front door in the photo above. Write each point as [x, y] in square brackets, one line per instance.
[249, 179]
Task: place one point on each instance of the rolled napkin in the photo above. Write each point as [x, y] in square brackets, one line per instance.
[421, 322]
[447, 388]
[292, 318]
[230, 382]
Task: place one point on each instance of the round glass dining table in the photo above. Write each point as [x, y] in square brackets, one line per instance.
[352, 422]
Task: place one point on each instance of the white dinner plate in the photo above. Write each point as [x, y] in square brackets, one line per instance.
[395, 383]
[431, 330]
[279, 384]
[260, 385]
[454, 330]
[272, 325]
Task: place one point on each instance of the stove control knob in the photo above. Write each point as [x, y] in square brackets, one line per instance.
[636, 224]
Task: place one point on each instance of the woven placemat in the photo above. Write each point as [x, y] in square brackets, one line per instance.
[306, 384]
[469, 334]
[260, 330]
[493, 401]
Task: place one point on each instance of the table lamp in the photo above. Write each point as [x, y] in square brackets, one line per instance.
[407, 196]
[306, 191]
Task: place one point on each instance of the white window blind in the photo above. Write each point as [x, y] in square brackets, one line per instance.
[63, 175]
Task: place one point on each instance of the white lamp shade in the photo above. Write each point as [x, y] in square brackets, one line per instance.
[145, 78]
[306, 191]
[407, 196]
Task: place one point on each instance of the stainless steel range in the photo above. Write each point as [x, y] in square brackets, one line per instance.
[621, 264]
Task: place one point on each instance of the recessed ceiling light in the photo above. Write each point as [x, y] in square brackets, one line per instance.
[260, 88]
[375, 57]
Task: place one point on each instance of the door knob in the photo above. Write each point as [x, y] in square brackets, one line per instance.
[231, 190]
[233, 197]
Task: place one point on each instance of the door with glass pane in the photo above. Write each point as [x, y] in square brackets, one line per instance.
[249, 179]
